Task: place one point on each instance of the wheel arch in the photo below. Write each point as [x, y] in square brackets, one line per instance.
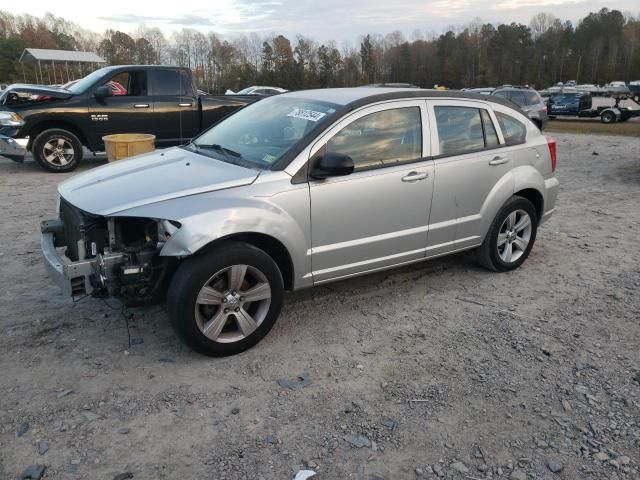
[268, 244]
[536, 198]
[40, 127]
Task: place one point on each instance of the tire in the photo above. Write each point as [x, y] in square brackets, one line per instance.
[66, 159]
[608, 117]
[207, 299]
[519, 240]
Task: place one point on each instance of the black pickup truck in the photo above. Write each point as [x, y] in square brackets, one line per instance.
[159, 100]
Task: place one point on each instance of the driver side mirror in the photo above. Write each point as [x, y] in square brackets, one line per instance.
[103, 91]
[332, 164]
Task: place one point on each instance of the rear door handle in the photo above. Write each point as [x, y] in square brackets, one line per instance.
[185, 104]
[415, 176]
[498, 161]
[141, 105]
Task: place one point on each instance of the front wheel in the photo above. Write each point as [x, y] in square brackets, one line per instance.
[511, 236]
[225, 302]
[57, 150]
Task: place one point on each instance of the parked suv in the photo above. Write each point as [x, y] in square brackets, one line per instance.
[528, 100]
[301, 189]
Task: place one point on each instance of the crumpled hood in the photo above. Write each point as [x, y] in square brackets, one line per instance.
[149, 178]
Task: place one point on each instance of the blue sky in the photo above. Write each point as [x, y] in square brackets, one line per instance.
[338, 20]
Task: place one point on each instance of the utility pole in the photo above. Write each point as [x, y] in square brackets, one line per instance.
[578, 72]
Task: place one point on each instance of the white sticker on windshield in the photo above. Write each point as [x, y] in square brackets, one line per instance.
[304, 114]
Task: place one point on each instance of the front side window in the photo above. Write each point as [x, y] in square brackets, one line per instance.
[381, 139]
[513, 130]
[262, 133]
[130, 84]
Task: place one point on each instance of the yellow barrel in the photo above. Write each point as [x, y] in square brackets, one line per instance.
[123, 145]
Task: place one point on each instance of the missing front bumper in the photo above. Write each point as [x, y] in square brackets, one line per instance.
[82, 277]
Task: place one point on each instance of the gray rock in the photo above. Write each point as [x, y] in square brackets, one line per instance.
[459, 467]
[123, 430]
[33, 472]
[376, 476]
[64, 393]
[518, 475]
[43, 447]
[437, 469]
[624, 460]
[419, 472]
[601, 456]
[90, 416]
[554, 465]
[296, 383]
[22, 429]
[357, 441]
[235, 411]
[123, 476]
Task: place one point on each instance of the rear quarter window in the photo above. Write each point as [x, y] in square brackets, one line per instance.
[513, 130]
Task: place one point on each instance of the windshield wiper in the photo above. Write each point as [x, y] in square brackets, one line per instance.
[227, 152]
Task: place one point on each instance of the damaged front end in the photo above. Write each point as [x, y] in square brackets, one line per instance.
[119, 257]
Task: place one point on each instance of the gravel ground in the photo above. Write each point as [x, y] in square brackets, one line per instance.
[436, 370]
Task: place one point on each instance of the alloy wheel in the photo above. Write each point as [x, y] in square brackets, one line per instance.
[58, 152]
[233, 303]
[514, 236]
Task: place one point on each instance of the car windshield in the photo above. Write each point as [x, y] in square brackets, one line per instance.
[83, 85]
[262, 133]
[564, 98]
[246, 91]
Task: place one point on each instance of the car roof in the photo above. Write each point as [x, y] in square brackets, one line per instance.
[355, 97]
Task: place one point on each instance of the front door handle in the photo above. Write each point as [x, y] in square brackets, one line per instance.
[185, 104]
[415, 176]
[141, 105]
[498, 160]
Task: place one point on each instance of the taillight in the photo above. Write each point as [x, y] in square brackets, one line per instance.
[552, 151]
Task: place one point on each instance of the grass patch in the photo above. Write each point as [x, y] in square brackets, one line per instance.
[630, 128]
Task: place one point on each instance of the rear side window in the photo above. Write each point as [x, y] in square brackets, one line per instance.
[490, 134]
[464, 129]
[381, 139]
[169, 82]
[514, 131]
[524, 98]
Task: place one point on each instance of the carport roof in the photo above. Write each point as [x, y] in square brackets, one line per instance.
[32, 55]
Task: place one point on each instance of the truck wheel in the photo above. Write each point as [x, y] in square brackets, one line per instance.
[226, 301]
[510, 237]
[57, 150]
[608, 117]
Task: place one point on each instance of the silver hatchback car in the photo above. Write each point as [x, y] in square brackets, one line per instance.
[298, 190]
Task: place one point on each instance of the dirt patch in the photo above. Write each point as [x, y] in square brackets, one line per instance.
[435, 370]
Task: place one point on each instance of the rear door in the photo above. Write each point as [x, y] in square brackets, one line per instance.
[469, 162]
[129, 110]
[176, 111]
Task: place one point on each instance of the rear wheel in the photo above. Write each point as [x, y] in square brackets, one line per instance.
[608, 117]
[511, 236]
[57, 150]
[226, 301]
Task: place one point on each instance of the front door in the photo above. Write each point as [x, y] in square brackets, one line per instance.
[378, 215]
[129, 110]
